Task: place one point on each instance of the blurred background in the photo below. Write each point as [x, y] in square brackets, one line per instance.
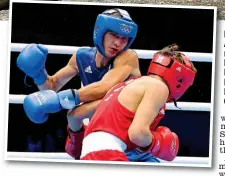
[220, 4]
[4, 4]
[72, 25]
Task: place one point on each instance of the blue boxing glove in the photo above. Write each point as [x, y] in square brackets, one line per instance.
[32, 60]
[38, 105]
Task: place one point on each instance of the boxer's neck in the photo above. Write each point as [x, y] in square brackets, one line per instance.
[157, 77]
[100, 60]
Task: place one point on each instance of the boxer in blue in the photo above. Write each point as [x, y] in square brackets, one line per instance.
[100, 68]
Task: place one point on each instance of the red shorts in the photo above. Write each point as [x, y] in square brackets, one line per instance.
[106, 155]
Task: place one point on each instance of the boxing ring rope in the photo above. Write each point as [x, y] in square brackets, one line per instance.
[143, 54]
[182, 106]
[63, 157]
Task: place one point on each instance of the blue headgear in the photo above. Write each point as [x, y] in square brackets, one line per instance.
[122, 26]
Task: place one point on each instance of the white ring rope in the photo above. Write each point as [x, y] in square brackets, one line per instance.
[64, 157]
[182, 106]
[143, 54]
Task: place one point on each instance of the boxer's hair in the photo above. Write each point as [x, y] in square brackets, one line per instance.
[115, 14]
[173, 50]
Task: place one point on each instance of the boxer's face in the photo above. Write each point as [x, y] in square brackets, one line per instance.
[113, 43]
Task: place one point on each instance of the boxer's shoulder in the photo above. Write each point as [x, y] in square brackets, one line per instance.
[152, 83]
[128, 55]
[85, 50]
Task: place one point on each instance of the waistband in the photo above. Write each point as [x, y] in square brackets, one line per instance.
[98, 141]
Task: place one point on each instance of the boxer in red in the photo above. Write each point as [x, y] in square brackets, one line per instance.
[126, 117]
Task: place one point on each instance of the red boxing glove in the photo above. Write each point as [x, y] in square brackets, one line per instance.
[165, 144]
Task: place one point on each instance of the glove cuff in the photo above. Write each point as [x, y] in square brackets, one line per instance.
[41, 77]
[69, 98]
[76, 96]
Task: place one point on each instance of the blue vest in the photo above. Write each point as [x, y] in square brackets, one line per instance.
[88, 71]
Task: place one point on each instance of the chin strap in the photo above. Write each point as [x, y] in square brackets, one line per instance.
[175, 104]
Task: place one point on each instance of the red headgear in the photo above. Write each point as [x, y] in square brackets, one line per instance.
[178, 77]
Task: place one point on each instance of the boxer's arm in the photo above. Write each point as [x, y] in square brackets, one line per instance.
[60, 78]
[155, 96]
[125, 65]
[85, 110]
[81, 112]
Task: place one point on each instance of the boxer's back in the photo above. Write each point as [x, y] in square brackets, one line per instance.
[116, 111]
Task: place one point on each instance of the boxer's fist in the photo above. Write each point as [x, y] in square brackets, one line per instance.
[37, 105]
[31, 61]
[165, 144]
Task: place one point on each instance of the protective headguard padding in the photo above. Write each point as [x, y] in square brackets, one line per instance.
[122, 26]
